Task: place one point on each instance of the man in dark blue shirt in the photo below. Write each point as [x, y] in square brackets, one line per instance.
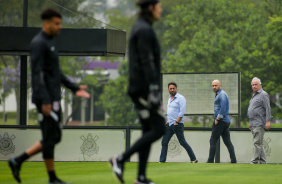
[221, 123]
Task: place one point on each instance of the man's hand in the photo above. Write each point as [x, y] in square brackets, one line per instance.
[81, 92]
[267, 125]
[175, 123]
[250, 127]
[215, 122]
[83, 87]
[166, 124]
[46, 109]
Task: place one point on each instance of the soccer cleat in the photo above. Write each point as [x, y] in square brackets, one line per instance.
[15, 167]
[117, 167]
[146, 181]
[58, 181]
[195, 161]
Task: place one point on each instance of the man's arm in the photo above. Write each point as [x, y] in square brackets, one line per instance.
[223, 108]
[147, 65]
[145, 48]
[266, 104]
[77, 90]
[37, 53]
[182, 107]
[68, 84]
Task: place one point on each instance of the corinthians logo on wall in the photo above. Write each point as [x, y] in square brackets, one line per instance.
[267, 149]
[174, 148]
[6, 144]
[266, 146]
[89, 145]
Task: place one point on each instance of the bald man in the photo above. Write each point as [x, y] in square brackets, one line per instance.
[221, 123]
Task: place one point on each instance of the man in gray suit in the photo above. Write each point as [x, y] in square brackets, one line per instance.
[259, 113]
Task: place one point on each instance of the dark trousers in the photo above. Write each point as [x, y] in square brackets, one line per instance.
[153, 128]
[221, 129]
[179, 131]
[51, 131]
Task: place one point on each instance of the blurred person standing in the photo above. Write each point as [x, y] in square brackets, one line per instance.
[47, 78]
[144, 88]
[221, 123]
[259, 114]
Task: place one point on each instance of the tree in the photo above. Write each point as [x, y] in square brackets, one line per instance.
[218, 35]
[115, 100]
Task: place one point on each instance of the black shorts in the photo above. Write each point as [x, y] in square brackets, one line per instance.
[51, 129]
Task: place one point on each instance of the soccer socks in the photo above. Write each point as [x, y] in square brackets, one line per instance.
[23, 157]
[52, 176]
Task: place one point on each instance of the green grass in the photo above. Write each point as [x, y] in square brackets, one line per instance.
[168, 173]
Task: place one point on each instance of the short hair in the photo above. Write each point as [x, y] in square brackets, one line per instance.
[256, 78]
[49, 13]
[146, 3]
[172, 83]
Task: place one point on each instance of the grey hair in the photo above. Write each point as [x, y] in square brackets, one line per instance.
[256, 78]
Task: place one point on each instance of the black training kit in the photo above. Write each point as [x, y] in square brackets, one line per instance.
[144, 58]
[46, 73]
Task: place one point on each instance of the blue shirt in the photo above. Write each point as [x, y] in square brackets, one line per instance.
[221, 106]
[175, 108]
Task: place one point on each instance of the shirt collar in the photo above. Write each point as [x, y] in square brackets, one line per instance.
[177, 95]
[46, 35]
[219, 91]
[259, 91]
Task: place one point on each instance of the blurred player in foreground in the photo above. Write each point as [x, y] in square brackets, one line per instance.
[144, 88]
[46, 94]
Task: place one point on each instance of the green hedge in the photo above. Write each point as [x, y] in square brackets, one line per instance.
[9, 114]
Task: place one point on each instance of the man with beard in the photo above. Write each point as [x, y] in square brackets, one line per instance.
[47, 78]
[176, 107]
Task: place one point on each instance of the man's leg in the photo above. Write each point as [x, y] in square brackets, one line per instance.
[143, 153]
[51, 132]
[262, 155]
[179, 131]
[15, 163]
[228, 143]
[258, 141]
[157, 131]
[216, 132]
[147, 125]
[166, 138]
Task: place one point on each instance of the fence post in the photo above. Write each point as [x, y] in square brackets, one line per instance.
[127, 140]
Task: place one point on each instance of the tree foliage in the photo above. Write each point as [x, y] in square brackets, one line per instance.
[115, 100]
[225, 36]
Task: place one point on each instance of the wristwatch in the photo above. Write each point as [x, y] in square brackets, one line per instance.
[176, 122]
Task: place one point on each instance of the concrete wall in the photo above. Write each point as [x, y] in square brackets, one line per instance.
[100, 145]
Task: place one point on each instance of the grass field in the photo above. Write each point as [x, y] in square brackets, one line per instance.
[168, 173]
